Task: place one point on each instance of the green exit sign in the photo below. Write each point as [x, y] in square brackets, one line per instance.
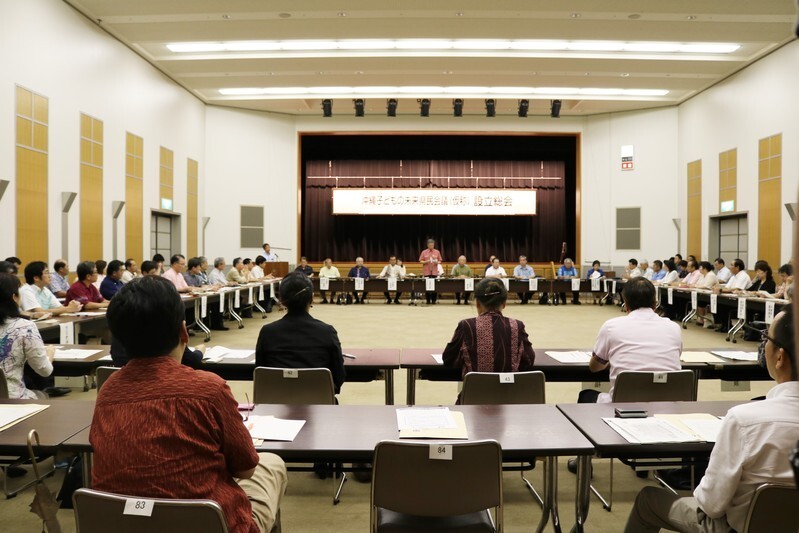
[728, 206]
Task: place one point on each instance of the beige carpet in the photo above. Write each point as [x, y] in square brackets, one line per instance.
[308, 504]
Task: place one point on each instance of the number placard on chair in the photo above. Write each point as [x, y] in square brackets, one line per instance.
[769, 312]
[290, 373]
[468, 284]
[714, 301]
[742, 308]
[441, 452]
[358, 284]
[532, 285]
[670, 292]
[203, 306]
[391, 284]
[324, 284]
[595, 285]
[430, 284]
[506, 282]
[694, 302]
[67, 332]
[660, 377]
[575, 284]
[237, 299]
[139, 507]
[506, 377]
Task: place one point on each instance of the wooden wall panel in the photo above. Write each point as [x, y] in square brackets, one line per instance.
[134, 198]
[32, 162]
[694, 230]
[91, 189]
[192, 205]
[167, 175]
[728, 177]
[769, 212]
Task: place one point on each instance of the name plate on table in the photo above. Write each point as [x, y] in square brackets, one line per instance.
[222, 298]
[272, 290]
[261, 293]
[237, 299]
[595, 285]
[670, 292]
[391, 284]
[576, 284]
[714, 301]
[324, 284]
[468, 284]
[430, 284]
[358, 284]
[67, 333]
[742, 308]
[769, 312]
[249, 295]
[506, 282]
[203, 306]
[532, 285]
[657, 295]
[694, 302]
[613, 286]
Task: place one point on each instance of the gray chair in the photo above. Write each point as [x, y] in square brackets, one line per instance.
[411, 492]
[297, 386]
[486, 388]
[103, 373]
[773, 508]
[677, 386]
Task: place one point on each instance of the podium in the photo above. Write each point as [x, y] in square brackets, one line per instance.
[278, 269]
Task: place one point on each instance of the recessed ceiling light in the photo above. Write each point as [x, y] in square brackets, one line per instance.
[341, 14]
[359, 72]
[284, 15]
[625, 74]
[634, 16]
[586, 73]
[576, 15]
[226, 17]
[459, 14]
[691, 17]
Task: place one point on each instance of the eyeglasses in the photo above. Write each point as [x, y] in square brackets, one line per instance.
[761, 350]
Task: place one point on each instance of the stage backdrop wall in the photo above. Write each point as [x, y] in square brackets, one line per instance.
[376, 237]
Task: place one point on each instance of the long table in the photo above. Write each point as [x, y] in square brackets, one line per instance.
[349, 433]
[60, 421]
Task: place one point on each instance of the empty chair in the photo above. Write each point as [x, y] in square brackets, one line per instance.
[773, 508]
[103, 373]
[488, 388]
[300, 386]
[679, 386]
[411, 491]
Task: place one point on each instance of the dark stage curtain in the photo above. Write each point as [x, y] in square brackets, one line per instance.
[344, 237]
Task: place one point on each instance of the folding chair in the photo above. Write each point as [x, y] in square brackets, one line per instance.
[487, 388]
[297, 386]
[678, 386]
[411, 491]
[103, 373]
[773, 508]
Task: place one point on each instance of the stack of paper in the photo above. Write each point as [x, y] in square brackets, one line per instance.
[73, 354]
[11, 414]
[431, 423]
[438, 357]
[649, 430]
[703, 425]
[216, 354]
[737, 356]
[271, 428]
[699, 357]
[575, 357]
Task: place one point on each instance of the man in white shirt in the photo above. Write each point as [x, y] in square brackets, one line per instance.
[131, 271]
[632, 269]
[495, 270]
[740, 279]
[328, 271]
[268, 254]
[751, 449]
[217, 275]
[392, 270]
[722, 272]
[645, 270]
[34, 296]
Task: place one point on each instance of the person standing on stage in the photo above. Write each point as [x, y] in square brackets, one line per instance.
[430, 258]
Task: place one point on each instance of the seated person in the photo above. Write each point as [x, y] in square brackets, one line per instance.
[707, 280]
[193, 274]
[739, 280]
[752, 448]
[113, 279]
[131, 271]
[568, 271]
[159, 261]
[20, 343]
[177, 264]
[693, 275]
[682, 268]
[786, 274]
[359, 271]
[149, 268]
[84, 291]
[304, 267]
[523, 271]
[764, 279]
[462, 270]
[632, 270]
[238, 276]
[100, 264]
[331, 272]
[142, 449]
[495, 270]
[298, 340]
[671, 275]
[192, 357]
[596, 272]
[34, 296]
[16, 262]
[657, 271]
[490, 342]
[394, 271]
[490, 263]
[722, 272]
[217, 275]
[646, 271]
[59, 284]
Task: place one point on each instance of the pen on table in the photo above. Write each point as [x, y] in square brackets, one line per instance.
[349, 356]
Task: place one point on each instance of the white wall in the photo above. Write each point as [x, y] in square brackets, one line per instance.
[758, 102]
[54, 51]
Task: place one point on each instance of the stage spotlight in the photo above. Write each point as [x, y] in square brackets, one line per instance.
[555, 109]
[391, 107]
[491, 110]
[424, 107]
[524, 105]
[327, 108]
[457, 107]
[358, 107]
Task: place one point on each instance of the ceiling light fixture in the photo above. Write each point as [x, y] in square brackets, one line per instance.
[524, 105]
[491, 107]
[327, 108]
[424, 107]
[554, 110]
[359, 105]
[391, 107]
[457, 107]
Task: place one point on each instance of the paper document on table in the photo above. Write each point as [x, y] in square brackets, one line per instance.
[219, 353]
[11, 414]
[439, 357]
[73, 354]
[431, 423]
[85, 313]
[699, 357]
[649, 430]
[106, 358]
[703, 425]
[574, 357]
[271, 428]
[736, 355]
